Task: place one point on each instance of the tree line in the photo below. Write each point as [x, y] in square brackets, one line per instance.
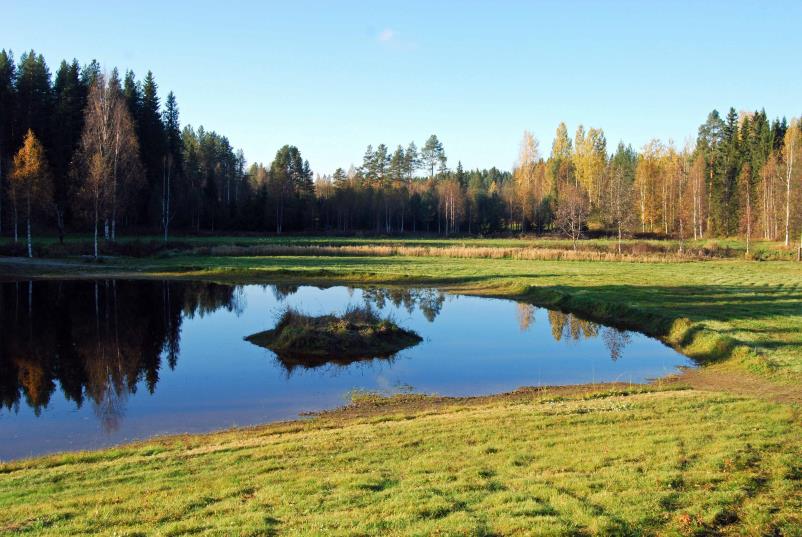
[741, 177]
[88, 150]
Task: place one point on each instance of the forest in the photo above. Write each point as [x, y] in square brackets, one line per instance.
[89, 151]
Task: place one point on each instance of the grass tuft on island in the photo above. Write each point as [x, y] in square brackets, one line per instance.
[358, 334]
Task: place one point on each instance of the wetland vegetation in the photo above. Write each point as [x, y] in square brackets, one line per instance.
[360, 333]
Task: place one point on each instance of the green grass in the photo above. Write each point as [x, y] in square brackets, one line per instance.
[650, 462]
[537, 463]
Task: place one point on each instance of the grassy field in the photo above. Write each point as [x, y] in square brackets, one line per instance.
[563, 462]
[720, 458]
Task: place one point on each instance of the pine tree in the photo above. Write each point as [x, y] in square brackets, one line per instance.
[368, 168]
[411, 160]
[433, 155]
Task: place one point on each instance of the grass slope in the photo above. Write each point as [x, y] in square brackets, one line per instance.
[528, 463]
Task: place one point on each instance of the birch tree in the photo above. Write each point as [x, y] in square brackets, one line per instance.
[31, 181]
[590, 159]
[698, 186]
[525, 175]
[746, 192]
[572, 211]
[108, 158]
[648, 174]
[790, 151]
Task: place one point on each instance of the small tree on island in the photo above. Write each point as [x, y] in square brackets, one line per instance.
[30, 181]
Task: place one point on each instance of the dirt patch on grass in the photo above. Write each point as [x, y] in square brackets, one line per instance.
[717, 379]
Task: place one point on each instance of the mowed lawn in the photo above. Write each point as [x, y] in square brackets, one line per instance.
[677, 462]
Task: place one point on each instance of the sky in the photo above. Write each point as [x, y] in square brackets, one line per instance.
[333, 77]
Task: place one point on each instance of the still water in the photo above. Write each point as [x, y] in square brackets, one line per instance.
[86, 364]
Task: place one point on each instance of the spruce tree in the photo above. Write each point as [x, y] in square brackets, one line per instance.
[132, 91]
[68, 119]
[728, 199]
[7, 104]
[152, 148]
[34, 99]
[709, 143]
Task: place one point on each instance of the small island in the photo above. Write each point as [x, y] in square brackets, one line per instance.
[311, 341]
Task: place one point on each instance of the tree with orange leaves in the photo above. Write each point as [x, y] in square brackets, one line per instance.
[30, 180]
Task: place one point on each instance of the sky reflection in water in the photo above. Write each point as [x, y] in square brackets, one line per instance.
[85, 364]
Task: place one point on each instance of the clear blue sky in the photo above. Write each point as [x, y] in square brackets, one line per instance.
[332, 77]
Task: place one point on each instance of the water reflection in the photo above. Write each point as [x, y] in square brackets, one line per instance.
[428, 301]
[101, 341]
[569, 326]
[98, 340]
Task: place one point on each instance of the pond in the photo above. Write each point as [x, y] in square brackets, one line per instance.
[87, 364]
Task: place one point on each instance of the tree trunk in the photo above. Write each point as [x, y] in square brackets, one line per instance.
[30, 247]
[16, 224]
[166, 199]
[97, 217]
[748, 219]
[60, 223]
[788, 172]
[1, 193]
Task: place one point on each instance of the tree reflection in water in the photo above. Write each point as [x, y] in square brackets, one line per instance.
[100, 340]
[569, 326]
[429, 301]
[97, 339]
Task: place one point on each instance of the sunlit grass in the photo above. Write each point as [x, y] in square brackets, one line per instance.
[668, 463]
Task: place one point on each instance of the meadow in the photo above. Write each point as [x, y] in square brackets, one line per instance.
[715, 451]
[593, 461]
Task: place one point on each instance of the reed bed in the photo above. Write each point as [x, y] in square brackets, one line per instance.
[464, 252]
